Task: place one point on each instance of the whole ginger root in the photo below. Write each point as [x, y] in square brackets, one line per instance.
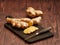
[33, 13]
[23, 22]
[20, 23]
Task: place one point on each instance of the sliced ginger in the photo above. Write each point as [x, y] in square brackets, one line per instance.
[30, 30]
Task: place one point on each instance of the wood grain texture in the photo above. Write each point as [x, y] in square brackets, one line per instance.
[16, 8]
[2, 32]
[1, 6]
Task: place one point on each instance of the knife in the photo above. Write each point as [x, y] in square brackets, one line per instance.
[38, 32]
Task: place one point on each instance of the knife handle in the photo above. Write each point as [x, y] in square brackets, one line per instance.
[43, 30]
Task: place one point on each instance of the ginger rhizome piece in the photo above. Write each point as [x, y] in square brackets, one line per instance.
[23, 22]
[31, 12]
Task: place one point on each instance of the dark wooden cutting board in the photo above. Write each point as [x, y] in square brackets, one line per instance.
[19, 32]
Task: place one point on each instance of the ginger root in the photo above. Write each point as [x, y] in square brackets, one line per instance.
[28, 20]
[23, 22]
[33, 13]
[36, 20]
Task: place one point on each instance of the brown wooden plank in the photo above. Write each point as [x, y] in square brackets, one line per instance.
[15, 8]
[50, 19]
[1, 6]
[53, 23]
[57, 13]
[2, 32]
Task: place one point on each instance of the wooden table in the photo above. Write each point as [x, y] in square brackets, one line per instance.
[16, 8]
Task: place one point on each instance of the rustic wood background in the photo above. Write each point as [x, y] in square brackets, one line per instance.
[16, 8]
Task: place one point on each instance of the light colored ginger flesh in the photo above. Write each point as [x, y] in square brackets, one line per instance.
[30, 30]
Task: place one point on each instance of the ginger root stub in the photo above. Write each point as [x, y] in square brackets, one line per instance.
[38, 12]
[36, 20]
[31, 12]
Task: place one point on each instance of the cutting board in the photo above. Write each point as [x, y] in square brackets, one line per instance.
[19, 33]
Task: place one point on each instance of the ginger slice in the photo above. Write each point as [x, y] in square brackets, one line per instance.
[30, 30]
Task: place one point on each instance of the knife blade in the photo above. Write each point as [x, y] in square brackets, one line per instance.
[38, 32]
